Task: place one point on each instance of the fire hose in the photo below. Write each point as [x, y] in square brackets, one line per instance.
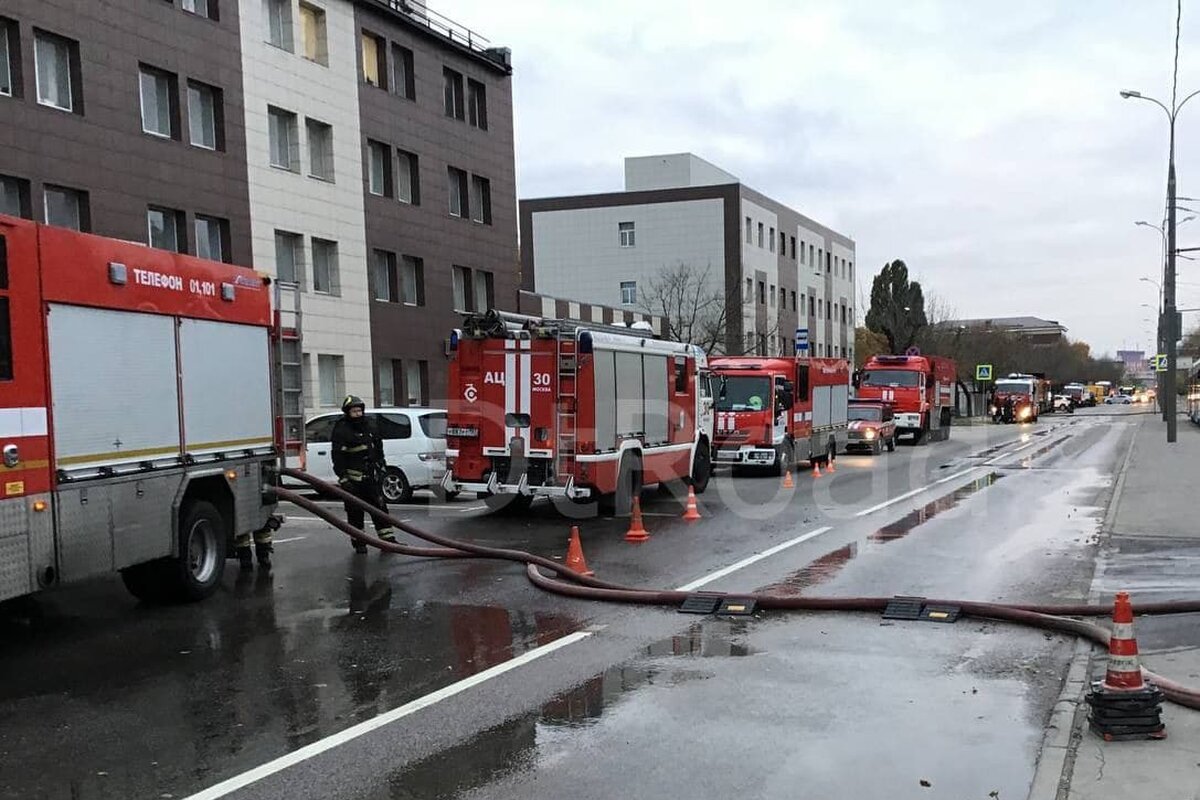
[1046, 617]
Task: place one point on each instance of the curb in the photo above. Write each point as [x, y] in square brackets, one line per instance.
[1064, 730]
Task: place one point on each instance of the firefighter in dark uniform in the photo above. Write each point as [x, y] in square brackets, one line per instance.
[359, 465]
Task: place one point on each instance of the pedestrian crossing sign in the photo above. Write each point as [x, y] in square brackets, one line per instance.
[1159, 362]
[983, 372]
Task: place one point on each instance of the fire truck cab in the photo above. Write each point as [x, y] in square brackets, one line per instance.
[773, 412]
[920, 389]
[137, 417]
[554, 408]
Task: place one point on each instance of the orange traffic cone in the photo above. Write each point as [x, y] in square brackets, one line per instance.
[816, 468]
[692, 512]
[575, 554]
[788, 483]
[636, 532]
[829, 467]
[1124, 673]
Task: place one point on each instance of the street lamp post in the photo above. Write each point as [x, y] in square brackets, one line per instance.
[1160, 345]
[1168, 289]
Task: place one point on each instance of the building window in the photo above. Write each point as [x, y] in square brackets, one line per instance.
[14, 197]
[762, 293]
[285, 147]
[379, 169]
[374, 67]
[626, 234]
[811, 260]
[811, 308]
[749, 231]
[481, 200]
[749, 291]
[289, 258]
[320, 149]
[387, 382]
[412, 281]
[782, 298]
[408, 186]
[331, 375]
[453, 93]
[760, 235]
[165, 228]
[158, 102]
[851, 270]
[324, 266]
[782, 243]
[202, 8]
[8, 48]
[772, 285]
[56, 61]
[279, 23]
[793, 301]
[829, 311]
[828, 262]
[384, 276]
[793, 238]
[484, 290]
[205, 116]
[628, 293]
[312, 34]
[842, 308]
[820, 308]
[458, 191]
[402, 82]
[212, 238]
[771, 240]
[66, 208]
[461, 279]
[477, 104]
[414, 381]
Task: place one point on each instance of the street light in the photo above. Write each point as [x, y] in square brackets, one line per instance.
[1168, 289]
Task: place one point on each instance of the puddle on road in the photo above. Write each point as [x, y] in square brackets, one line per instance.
[278, 668]
[513, 746]
[829, 565]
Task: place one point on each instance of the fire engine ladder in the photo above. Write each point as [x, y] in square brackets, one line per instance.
[566, 409]
[289, 370]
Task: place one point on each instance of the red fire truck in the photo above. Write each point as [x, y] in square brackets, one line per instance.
[541, 407]
[920, 389]
[137, 419]
[1021, 397]
[773, 412]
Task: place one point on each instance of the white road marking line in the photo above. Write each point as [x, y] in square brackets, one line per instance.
[288, 539]
[949, 478]
[894, 500]
[237, 782]
[1014, 451]
[745, 562]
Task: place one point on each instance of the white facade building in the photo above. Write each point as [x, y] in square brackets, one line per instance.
[304, 157]
[780, 270]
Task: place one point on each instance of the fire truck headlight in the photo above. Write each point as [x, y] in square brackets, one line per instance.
[39, 505]
[1024, 413]
[992, 410]
[869, 433]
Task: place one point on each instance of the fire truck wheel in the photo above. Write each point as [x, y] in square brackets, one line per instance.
[196, 572]
[701, 470]
[395, 486]
[629, 485]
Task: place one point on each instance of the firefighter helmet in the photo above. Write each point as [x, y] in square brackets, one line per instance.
[351, 401]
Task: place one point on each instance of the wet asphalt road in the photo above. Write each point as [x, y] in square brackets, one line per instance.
[103, 698]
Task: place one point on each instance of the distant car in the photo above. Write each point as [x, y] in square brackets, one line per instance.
[872, 427]
[414, 446]
[1063, 402]
[1118, 399]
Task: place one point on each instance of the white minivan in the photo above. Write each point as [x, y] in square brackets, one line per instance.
[414, 446]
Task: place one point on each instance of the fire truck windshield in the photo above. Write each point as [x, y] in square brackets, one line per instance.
[891, 377]
[744, 393]
[1013, 387]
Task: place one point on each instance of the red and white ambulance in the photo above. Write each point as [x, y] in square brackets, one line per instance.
[553, 408]
[773, 412]
[137, 417]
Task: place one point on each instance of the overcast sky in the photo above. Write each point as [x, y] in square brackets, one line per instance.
[983, 143]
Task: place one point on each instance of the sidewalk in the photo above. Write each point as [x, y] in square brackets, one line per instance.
[1152, 550]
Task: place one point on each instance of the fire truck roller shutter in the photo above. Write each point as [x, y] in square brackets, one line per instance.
[226, 387]
[839, 398]
[631, 411]
[654, 381]
[604, 369]
[113, 383]
[822, 406]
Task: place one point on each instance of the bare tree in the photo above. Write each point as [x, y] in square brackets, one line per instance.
[693, 310]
